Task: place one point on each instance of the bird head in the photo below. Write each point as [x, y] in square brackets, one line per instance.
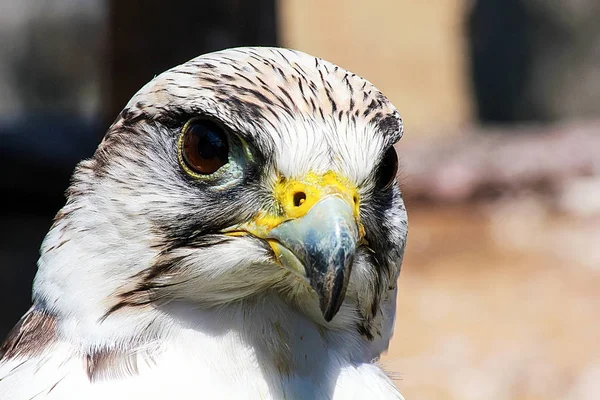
[239, 173]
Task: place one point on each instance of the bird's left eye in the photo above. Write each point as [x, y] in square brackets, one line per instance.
[388, 169]
[203, 147]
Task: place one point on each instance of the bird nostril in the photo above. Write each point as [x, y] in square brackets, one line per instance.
[299, 199]
[355, 199]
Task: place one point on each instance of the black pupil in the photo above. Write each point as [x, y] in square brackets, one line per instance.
[211, 141]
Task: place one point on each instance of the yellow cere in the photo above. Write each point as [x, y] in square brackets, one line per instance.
[314, 187]
[296, 197]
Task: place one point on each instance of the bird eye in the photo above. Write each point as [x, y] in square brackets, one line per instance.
[388, 168]
[203, 147]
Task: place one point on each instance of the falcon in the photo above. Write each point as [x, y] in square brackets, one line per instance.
[237, 234]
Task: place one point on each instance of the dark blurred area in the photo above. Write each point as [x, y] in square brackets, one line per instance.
[535, 60]
[141, 48]
[500, 160]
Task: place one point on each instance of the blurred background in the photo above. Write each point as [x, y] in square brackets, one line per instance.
[500, 161]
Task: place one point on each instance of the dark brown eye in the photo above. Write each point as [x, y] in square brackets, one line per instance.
[388, 168]
[203, 147]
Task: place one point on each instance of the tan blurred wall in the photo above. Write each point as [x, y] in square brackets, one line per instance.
[413, 51]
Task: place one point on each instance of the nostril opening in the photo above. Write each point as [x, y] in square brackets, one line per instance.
[355, 199]
[299, 199]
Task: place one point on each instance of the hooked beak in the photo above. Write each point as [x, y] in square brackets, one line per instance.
[324, 242]
[315, 235]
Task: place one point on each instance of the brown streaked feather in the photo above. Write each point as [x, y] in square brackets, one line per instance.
[32, 334]
[142, 288]
[106, 364]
